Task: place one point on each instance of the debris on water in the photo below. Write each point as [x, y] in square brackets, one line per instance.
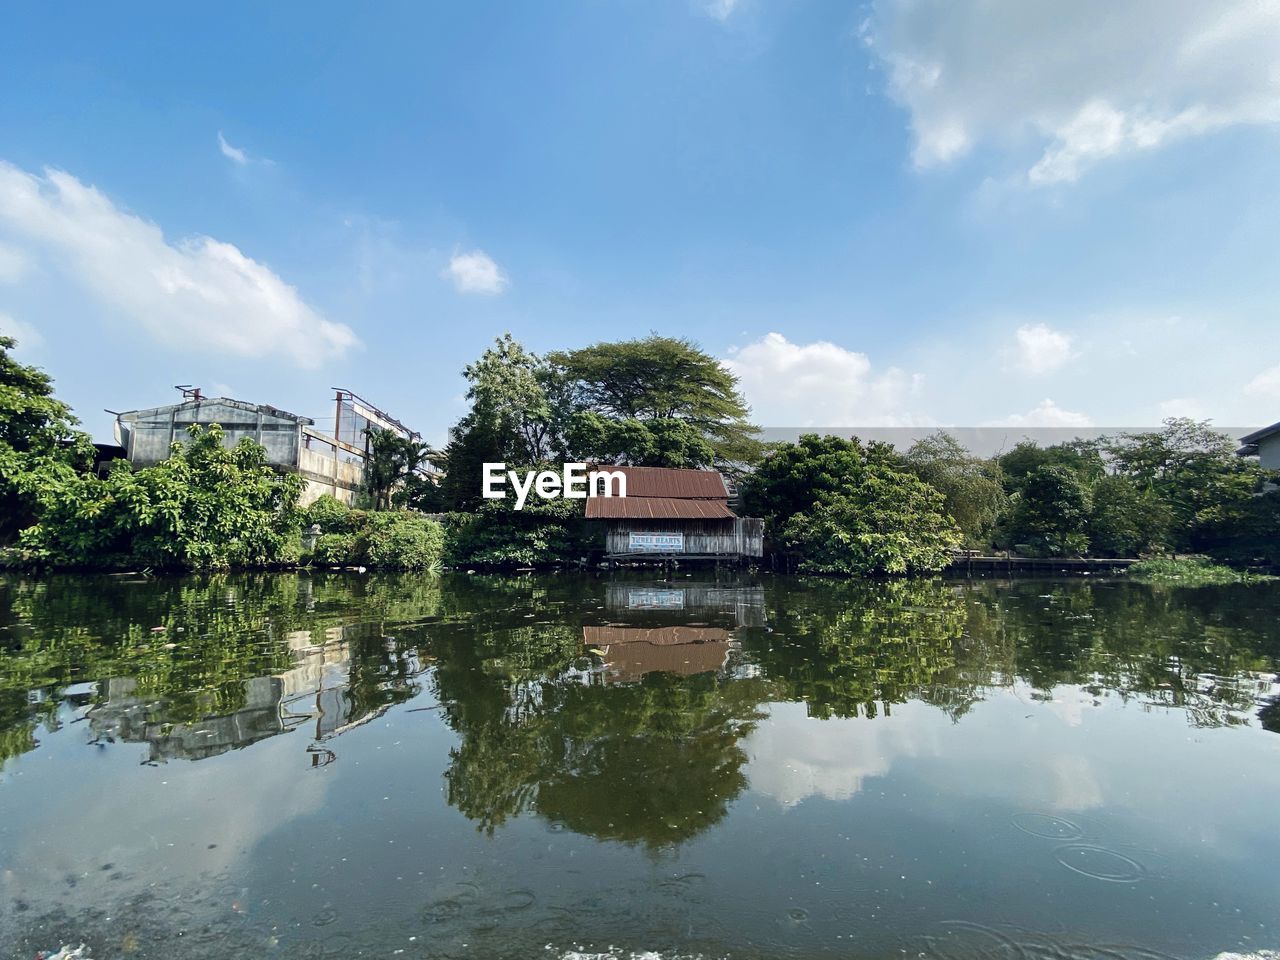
[66, 952]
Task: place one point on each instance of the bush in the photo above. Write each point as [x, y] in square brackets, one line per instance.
[330, 514]
[400, 541]
[1189, 571]
[380, 541]
[335, 550]
[207, 507]
[840, 507]
[545, 533]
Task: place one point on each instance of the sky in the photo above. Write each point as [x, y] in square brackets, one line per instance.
[895, 213]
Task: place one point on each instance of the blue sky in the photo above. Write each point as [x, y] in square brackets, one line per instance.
[899, 212]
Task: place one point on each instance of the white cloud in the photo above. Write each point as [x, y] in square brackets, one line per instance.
[1265, 386]
[794, 757]
[198, 293]
[1080, 82]
[720, 10]
[26, 335]
[13, 264]
[234, 154]
[1038, 349]
[1046, 414]
[475, 272]
[1182, 407]
[819, 384]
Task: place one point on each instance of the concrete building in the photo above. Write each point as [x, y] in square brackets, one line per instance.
[1263, 444]
[331, 465]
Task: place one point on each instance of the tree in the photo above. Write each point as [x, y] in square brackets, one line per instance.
[1126, 520]
[653, 443]
[392, 459]
[843, 508]
[1209, 492]
[1081, 457]
[971, 487]
[661, 380]
[39, 442]
[1050, 513]
[206, 507]
[509, 393]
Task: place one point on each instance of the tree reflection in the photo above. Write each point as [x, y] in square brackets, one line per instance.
[554, 684]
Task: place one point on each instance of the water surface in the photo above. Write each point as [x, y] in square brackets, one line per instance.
[550, 766]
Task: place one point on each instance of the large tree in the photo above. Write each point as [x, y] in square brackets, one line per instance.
[668, 384]
[971, 486]
[39, 441]
[836, 506]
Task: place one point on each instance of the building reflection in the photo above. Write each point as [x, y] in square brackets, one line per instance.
[684, 629]
[633, 736]
[341, 679]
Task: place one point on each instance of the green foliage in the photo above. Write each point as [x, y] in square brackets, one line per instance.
[545, 533]
[842, 508]
[1083, 458]
[1126, 520]
[510, 393]
[972, 487]
[206, 507]
[795, 475]
[654, 443]
[1216, 501]
[380, 540]
[888, 523]
[400, 541]
[39, 442]
[327, 512]
[335, 550]
[1049, 513]
[391, 461]
[1189, 572]
[661, 379]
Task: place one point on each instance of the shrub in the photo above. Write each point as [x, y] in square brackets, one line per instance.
[335, 550]
[207, 507]
[380, 541]
[1189, 571]
[400, 541]
[545, 533]
[329, 513]
[841, 507]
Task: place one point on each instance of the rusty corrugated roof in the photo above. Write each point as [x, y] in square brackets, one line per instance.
[631, 661]
[657, 508]
[668, 482]
[603, 636]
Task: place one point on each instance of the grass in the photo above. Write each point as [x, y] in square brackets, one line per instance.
[1190, 572]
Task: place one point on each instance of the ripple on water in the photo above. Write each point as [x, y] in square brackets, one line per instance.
[1099, 863]
[966, 940]
[1047, 826]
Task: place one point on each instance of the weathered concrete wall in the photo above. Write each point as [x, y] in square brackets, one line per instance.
[341, 479]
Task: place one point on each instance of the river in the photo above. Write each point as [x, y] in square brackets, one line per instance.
[572, 766]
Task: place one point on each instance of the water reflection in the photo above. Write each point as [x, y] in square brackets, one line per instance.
[979, 726]
[194, 668]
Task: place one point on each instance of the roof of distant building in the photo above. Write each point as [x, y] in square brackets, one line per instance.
[1249, 442]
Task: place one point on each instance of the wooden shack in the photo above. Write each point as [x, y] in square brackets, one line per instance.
[674, 514]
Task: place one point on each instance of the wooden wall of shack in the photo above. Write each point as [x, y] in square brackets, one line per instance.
[740, 537]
